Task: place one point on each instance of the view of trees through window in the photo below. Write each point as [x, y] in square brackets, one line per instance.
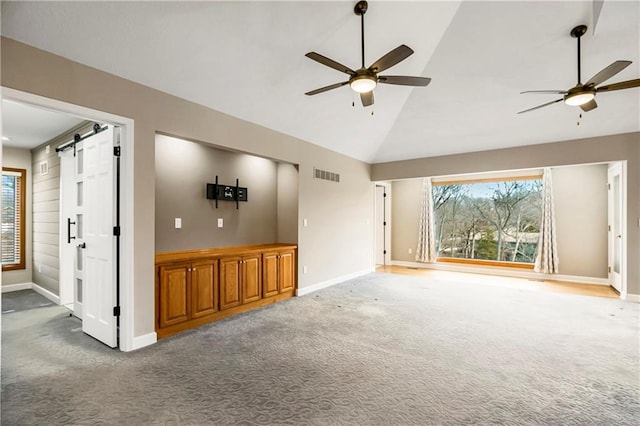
[497, 221]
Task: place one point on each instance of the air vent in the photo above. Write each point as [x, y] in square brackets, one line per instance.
[325, 175]
[44, 168]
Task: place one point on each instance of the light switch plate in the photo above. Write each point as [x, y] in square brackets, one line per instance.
[304, 222]
[220, 222]
[178, 223]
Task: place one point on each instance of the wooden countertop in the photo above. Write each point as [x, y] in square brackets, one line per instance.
[208, 253]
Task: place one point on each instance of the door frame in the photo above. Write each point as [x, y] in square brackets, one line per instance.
[387, 218]
[621, 168]
[126, 329]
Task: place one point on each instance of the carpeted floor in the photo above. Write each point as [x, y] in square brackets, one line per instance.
[381, 349]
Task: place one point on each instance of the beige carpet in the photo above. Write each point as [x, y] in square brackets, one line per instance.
[381, 349]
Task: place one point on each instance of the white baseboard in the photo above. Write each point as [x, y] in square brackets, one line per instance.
[15, 287]
[46, 293]
[32, 286]
[632, 298]
[334, 281]
[503, 272]
[144, 340]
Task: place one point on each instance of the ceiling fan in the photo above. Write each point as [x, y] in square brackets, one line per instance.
[583, 95]
[364, 80]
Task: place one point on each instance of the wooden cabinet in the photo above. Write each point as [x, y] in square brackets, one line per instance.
[204, 288]
[278, 272]
[174, 294]
[240, 280]
[199, 286]
[187, 291]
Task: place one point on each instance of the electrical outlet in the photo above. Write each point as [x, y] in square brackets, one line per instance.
[304, 222]
[410, 251]
[220, 222]
[304, 269]
[178, 223]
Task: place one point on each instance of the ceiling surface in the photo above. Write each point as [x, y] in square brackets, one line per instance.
[28, 127]
[247, 59]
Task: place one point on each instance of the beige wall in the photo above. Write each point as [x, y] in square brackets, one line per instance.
[21, 159]
[287, 203]
[339, 238]
[182, 170]
[580, 198]
[624, 147]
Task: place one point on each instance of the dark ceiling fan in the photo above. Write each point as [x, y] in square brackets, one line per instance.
[583, 95]
[364, 80]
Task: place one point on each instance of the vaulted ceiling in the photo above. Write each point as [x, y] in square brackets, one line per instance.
[247, 59]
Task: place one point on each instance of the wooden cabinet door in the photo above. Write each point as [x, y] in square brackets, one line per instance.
[174, 292]
[286, 270]
[251, 278]
[230, 277]
[204, 288]
[269, 274]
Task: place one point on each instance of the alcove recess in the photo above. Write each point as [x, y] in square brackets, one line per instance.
[193, 266]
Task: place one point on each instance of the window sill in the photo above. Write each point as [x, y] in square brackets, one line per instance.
[493, 263]
[17, 267]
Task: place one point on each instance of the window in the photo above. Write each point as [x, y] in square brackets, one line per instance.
[13, 218]
[492, 222]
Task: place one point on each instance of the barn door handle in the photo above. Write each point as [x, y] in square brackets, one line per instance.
[69, 237]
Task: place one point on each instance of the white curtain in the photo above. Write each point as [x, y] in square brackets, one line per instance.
[547, 258]
[426, 251]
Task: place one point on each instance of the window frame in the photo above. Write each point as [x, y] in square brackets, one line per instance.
[486, 262]
[22, 212]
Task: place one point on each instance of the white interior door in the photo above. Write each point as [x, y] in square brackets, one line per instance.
[380, 225]
[96, 240]
[67, 230]
[616, 226]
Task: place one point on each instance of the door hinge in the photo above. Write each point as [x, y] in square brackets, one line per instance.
[116, 311]
[609, 269]
[384, 194]
[609, 226]
[608, 186]
[384, 252]
[116, 151]
[116, 231]
[384, 223]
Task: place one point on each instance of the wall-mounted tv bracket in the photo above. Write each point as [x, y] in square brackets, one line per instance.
[216, 191]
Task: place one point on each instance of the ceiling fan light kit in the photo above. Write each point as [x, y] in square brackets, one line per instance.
[364, 80]
[583, 95]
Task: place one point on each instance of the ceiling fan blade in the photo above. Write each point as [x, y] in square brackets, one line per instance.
[556, 92]
[589, 105]
[330, 63]
[325, 88]
[403, 80]
[541, 106]
[619, 86]
[367, 98]
[398, 54]
[608, 72]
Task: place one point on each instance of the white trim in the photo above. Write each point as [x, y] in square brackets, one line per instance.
[46, 293]
[631, 298]
[516, 273]
[32, 286]
[16, 287]
[126, 196]
[144, 340]
[324, 284]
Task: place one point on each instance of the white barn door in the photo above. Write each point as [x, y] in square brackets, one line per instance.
[98, 243]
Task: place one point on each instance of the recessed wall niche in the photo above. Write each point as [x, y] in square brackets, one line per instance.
[182, 170]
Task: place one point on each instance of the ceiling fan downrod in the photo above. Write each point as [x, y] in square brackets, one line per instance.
[360, 9]
[578, 32]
